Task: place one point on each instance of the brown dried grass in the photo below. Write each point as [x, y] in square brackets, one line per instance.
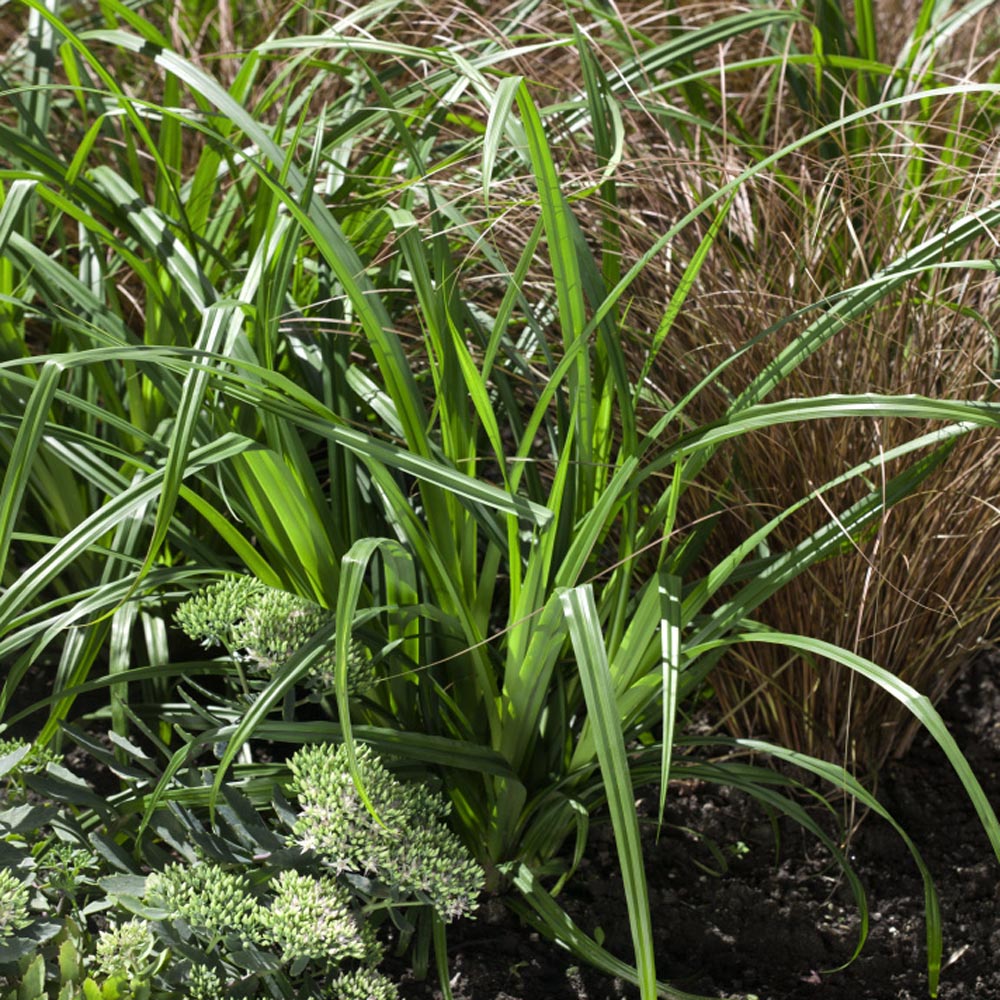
[917, 596]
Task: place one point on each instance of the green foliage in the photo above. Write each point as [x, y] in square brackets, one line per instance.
[338, 324]
[247, 912]
[18, 759]
[59, 971]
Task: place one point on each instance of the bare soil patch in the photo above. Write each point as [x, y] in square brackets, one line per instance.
[777, 919]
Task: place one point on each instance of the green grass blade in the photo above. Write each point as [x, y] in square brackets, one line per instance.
[319, 222]
[683, 289]
[21, 458]
[592, 662]
[83, 536]
[497, 126]
[352, 576]
[838, 777]
[280, 396]
[560, 230]
[16, 199]
[552, 920]
[670, 630]
[919, 705]
[980, 414]
[288, 521]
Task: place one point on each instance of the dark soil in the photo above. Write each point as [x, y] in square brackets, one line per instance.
[771, 926]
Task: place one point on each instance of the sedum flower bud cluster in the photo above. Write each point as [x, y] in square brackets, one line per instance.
[209, 616]
[15, 791]
[35, 762]
[308, 911]
[363, 984]
[64, 867]
[312, 918]
[14, 899]
[204, 983]
[414, 853]
[308, 918]
[209, 899]
[266, 627]
[125, 950]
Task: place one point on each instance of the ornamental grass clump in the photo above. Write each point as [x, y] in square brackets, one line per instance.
[915, 592]
[361, 319]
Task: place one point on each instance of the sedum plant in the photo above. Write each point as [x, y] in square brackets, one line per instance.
[204, 983]
[124, 951]
[300, 910]
[311, 919]
[250, 910]
[213, 902]
[49, 892]
[362, 984]
[398, 836]
[14, 913]
[263, 627]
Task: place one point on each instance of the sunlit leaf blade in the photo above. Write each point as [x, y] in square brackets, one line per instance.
[354, 567]
[670, 637]
[592, 663]
[29, 436]
[496, 128]
[919, 705]
[100, 522]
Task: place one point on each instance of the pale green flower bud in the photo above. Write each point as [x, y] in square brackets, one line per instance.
[210, 615]
[312, 918]
[363, 984]
[210, 899]
[14, 898]
[414, 852]
[125, 950]
[203, 983]
[267, 627]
